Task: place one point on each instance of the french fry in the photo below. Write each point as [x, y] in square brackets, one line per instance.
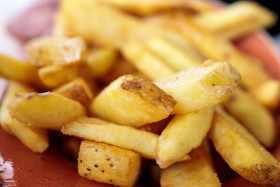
[19, 70]
[78, 90]
[108, 164]
[56, 51]
[242, 151]
[126, 28]
[198, 87]
[100, 61]
[267, 94]
[174, 56]
[54, 76]
[198, 171]
[46, 110]
[35, 139]
[125, 137]
[146, 7]
[253, 74]
[253, 116]
[184, 133]
[139, 102]
[142, 58]
[235, 20]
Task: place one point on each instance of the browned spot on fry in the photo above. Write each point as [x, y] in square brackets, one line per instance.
[128, 85]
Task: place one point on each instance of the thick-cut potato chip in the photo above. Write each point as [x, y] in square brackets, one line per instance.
[18, 70]
[142, 58]
[126, 137]
[198, 171]
[253, 116]
[46, 110]
[56, 51]
[184, 133]
[235, 20]
[200, 87]
[35, 139]
[242, 151]
[132, 101]
[108, 164]
[54, 76]
[78, 90]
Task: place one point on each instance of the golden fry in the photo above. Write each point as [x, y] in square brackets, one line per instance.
[108, 164]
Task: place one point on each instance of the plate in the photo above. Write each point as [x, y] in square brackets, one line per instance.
[22, 167]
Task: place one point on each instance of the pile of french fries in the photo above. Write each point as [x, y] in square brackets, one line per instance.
[154, 80]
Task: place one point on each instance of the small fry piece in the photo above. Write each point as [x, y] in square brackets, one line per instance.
[108, 164]
[253, 116]
[100, 61]
[242, 151]
[174, 56]
[18, 70]
[78, 90]
[200, 87]
[56, 51]
[139, 102]
[125, 137]
[184, 133]
[35, 139]
[54, 76]
[46, 110]
[198, 171]
[142, 58]
[236, 19]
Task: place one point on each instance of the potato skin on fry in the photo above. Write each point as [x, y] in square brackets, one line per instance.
[253, 116]
[46, 110]
[139, 102]
[242, 151]
[200, 87]
[108, 164]
[77, 90]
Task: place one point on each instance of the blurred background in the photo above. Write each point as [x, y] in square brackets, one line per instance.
[272, 5]
[9, 10]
